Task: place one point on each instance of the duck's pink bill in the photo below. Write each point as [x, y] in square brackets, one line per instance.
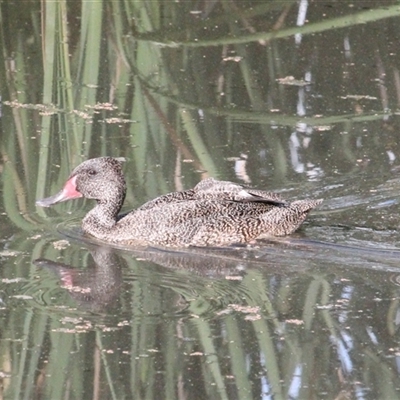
[67, 193]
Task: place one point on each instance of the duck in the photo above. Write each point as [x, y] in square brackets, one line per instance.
[213, 213]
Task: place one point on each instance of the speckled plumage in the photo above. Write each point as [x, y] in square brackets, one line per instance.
[213, 213]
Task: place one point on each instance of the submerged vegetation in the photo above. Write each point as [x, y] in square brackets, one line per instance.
[183, 91]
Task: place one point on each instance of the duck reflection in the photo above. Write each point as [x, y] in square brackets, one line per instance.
[98, 286]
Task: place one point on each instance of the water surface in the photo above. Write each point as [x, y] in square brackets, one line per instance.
[296, 97]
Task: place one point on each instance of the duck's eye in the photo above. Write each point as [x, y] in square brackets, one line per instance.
[92, 172]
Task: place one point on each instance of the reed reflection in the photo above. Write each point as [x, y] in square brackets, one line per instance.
[251, 321]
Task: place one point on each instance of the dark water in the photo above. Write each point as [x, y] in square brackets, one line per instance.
[184, 91]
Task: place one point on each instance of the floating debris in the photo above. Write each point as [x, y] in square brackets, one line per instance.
[292, 81]
[245, 309]
[234, 277]
[45, 109]
[295, 321]
[116, 120]
[234, 58]
[358, 97]
[102, 106]
[14, 280]
[61, 244]
[323, 128]
[9, 253]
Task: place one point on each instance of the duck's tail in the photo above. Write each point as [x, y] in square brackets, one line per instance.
[281, 221]
[305, 206]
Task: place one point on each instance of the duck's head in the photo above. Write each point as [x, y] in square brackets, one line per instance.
[98, 178]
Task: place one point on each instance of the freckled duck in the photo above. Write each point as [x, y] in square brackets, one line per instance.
[213, 213]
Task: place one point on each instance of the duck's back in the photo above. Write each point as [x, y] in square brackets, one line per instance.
[214, 190]
[202, 219]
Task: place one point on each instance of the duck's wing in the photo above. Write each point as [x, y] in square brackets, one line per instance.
[262, 195]
[168, 198]
[212, 189]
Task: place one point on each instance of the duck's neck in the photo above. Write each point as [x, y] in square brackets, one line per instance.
[103, 217]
